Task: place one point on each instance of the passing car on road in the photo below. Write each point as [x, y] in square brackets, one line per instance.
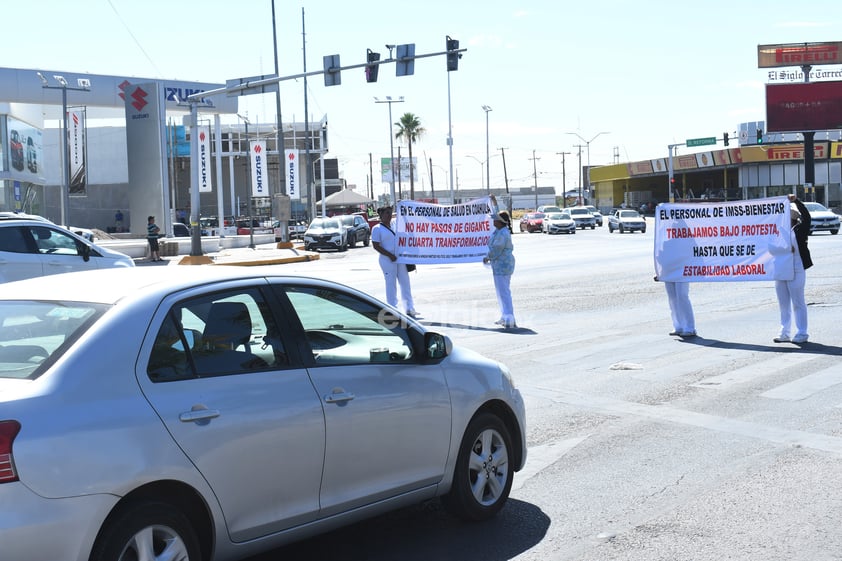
[326, 233]
[626, 220]
[558, 223]
[822, 219]
[214, 413]
[531, 222]
[583, 217]
[596, 214]
[356, 229]
[33, 248]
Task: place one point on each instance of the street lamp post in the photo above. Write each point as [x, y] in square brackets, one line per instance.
[390, 101]
[83, 86]
[588, 148]
[487, 109]
[248, 179]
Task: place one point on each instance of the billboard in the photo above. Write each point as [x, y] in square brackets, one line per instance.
[24, 144]
[798, 54]
[799, 107]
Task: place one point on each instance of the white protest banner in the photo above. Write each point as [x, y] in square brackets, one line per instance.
[430, 233]
[724, 241]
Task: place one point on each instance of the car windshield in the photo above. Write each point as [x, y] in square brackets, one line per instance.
[538, 215]
[555, 216]
[629, 214]
[33, 334]
[815, 207]
[579, 211]
[592, 209]
[324, 224]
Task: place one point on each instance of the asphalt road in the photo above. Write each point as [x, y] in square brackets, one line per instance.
[642, 446]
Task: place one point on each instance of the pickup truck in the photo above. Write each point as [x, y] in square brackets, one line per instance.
[295, 229]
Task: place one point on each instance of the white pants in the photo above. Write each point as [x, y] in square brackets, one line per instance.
[791, 299]
[681, 310]
[504, 299]
[396, 274]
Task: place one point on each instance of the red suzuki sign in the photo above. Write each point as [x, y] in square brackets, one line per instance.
[800, 107]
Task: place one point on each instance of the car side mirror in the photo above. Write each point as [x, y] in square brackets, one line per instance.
[437, 346]
[85, 252]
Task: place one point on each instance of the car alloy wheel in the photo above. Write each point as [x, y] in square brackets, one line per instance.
[483, 476]
[148, 530]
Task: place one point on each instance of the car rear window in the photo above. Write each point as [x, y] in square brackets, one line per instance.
[33, 334]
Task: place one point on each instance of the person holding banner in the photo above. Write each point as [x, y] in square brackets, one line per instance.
[502, 260]
[681, 309]
[385, 242]
[790, 293]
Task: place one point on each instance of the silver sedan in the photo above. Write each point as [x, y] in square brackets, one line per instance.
[211, 413]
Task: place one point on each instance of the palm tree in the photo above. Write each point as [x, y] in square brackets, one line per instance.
[409, 128]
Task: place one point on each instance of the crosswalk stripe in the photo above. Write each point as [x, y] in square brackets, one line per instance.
[806, 386]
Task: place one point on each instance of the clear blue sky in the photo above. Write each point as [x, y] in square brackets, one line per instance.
[647, 73]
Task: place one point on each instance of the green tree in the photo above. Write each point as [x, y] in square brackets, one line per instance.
[410, 129]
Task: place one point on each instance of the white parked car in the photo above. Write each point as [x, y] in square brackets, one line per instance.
[212, 413]
[33, 248]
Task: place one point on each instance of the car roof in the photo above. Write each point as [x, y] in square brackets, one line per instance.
[109, 286]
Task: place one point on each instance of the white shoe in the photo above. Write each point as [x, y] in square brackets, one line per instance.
[781, 339]
[800, 339]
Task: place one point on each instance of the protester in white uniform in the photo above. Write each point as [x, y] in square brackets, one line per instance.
[385, 242]
[790, 293]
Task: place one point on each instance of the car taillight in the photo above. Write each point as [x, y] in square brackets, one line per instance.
[8, 431]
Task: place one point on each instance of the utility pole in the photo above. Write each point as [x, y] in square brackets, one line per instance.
[563, 180]
[535, 177]
[581, 201]
[432, 189]
[505, 175]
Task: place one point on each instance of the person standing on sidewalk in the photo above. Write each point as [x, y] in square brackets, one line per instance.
[152, 233]
[385, 242]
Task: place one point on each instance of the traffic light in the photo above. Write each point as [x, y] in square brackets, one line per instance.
[371, 69]
[760, 136]
[725, 138]
[452, 57]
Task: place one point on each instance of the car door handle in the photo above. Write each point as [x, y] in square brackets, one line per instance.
[339, 397]
[198, 415]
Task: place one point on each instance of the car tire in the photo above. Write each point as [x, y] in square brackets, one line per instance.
[610, 229]
[125, 535]
[593, 227]
[834, 232]
[366, 241]
[352, 242]
[485, 452]
[621, 228]
[343, 246]
[643, 230]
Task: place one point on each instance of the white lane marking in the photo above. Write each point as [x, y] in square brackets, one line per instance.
[663, 413]
[803, 388]
[752, 372]
[540, 457]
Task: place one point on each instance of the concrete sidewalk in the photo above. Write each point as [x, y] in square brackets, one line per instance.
[263, 254]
